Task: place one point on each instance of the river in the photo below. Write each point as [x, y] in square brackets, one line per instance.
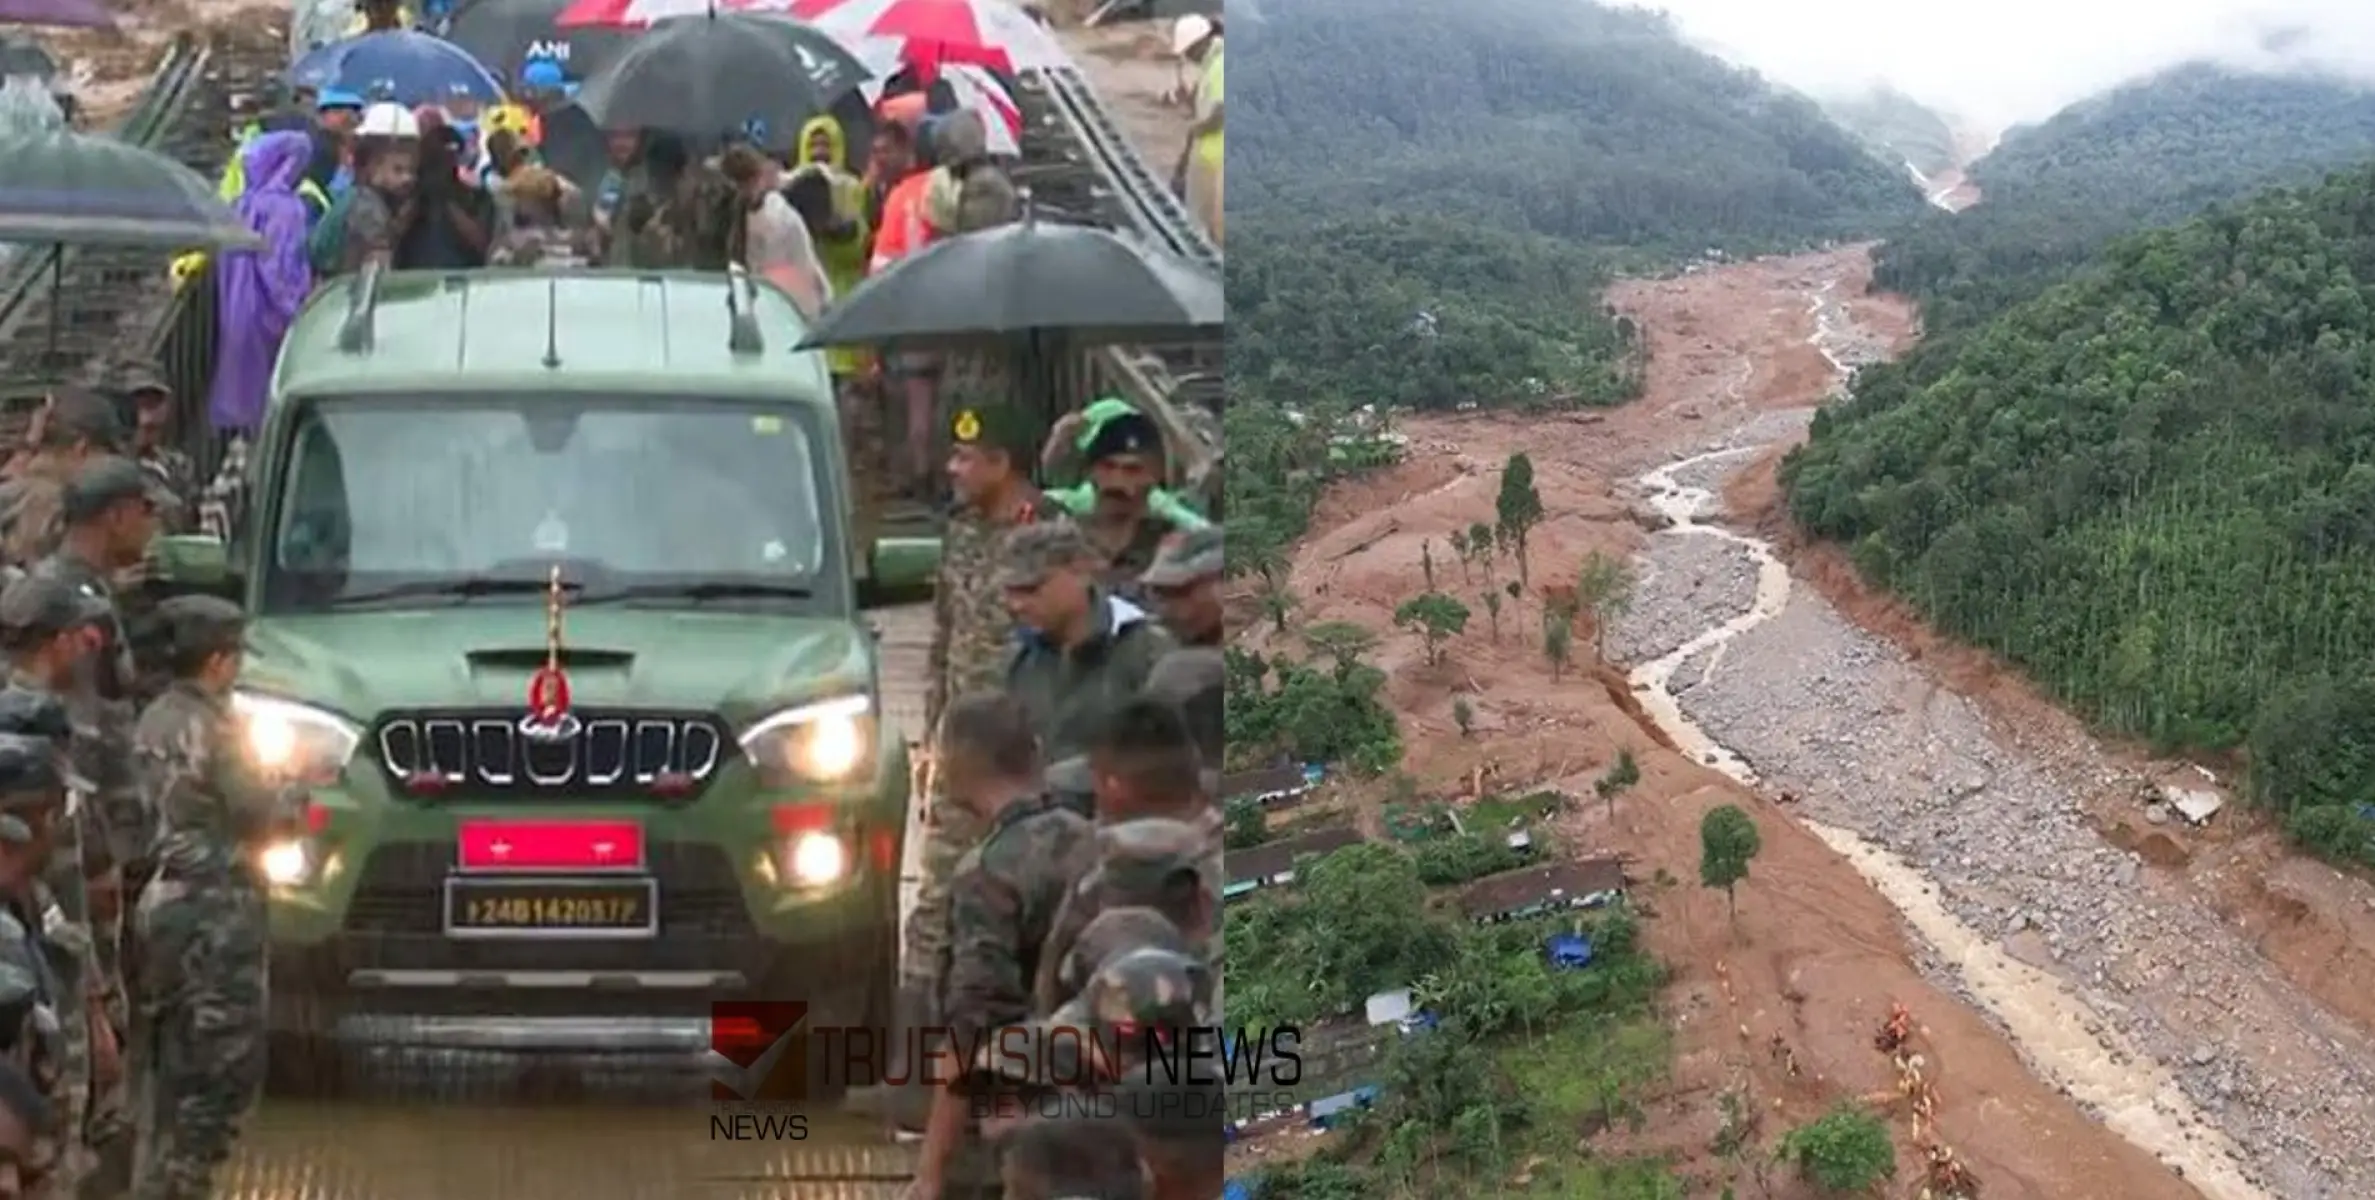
[2060, 1036]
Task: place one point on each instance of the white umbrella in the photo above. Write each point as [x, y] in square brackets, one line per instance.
[977, 91]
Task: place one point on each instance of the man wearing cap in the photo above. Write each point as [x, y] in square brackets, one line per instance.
[40, 997]
[1197, 41]
[153, 430]
[379, 208]
[972, 631]
[201, 920]
[336, 113]
[73, 426]
[110, 522]
[1080, 651]
[1184, 586]
[1152, 863]
[1125, 457]
[1003, 896]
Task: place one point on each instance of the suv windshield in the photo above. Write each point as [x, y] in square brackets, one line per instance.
[448, 499]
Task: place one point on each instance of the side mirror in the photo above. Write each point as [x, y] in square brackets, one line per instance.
[195, 562]
[905, 569]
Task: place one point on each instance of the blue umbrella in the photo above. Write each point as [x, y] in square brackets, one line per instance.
[405, 67]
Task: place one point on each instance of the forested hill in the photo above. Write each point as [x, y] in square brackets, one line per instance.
[1423, 202]
[2154, 488]
[1556, 116]
[2148, 153]
[1898, 126]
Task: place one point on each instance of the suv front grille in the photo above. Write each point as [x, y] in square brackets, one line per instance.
[610, 753]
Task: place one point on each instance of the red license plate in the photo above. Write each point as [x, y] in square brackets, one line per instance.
[551, 846]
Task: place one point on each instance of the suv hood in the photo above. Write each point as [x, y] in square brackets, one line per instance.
[741, 666]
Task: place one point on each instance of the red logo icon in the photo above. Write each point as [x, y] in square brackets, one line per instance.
[758, 1052]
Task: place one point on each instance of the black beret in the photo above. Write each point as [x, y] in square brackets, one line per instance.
[1129, 433]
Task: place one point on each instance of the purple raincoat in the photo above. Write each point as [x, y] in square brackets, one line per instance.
[258, 291]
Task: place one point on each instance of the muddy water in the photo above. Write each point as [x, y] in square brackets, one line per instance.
[2053, 1028]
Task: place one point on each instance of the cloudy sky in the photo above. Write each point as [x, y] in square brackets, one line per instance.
[2005, 61]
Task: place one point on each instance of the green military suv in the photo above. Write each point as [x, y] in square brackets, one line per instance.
[627, 494]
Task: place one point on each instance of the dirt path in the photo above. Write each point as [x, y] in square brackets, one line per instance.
[1819, 952]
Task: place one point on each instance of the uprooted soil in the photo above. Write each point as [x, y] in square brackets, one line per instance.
[1781, 1003]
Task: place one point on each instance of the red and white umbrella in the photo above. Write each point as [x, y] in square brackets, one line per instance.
[976, 89]
[990, 33]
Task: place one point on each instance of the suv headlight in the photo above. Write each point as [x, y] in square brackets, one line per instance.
[824, 742]
[288, 741]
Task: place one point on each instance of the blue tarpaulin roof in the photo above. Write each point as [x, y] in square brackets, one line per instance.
[1569, 950]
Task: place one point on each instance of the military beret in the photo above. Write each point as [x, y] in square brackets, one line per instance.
[199, 625]
[28, 764]
[36, 608]
[1129, 433]
[991, 427]
[25, 712]
[100, 485]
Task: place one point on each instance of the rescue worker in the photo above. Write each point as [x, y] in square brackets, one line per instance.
[43, 623]
[40, 988]
[73, 427]
[201, 919]
[1197, 40]
[1083, 652]
[1183, 583]
[1004, 894]
[110, 521]
[155, 429]
[1125, 457]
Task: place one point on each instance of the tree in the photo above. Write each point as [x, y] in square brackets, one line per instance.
[1492, 608]
[1426, 562]
[1341, 641]
[1244, 825]
[1845, 1150]
[1436, 617]
[1255, 548]
[1463, 715]
[1605, 588]
[1623, 774]
[1480, 544]
[1277, 603]
[1519, 506]
[1727, 841]
[1459, 550]
[1558, 638]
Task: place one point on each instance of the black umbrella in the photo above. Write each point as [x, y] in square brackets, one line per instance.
[749, 74]
[504, 34]
[574, 146]
[92, 191]
[26, 58]
[1032, 279]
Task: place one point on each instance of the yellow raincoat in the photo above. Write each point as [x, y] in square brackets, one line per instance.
[844, 258]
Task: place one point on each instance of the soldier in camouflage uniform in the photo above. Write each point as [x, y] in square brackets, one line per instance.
[199, 1053]
[1125, 458]
[972, 636]
[74, 427]
[1168, 866]
[25, 1119]
[45, 628]
[1072, 1157]
[110, 521]
[1184, 586]
[1003, 897]
[40, 988]
[154, 432]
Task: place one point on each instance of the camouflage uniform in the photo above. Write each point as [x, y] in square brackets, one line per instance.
[1002, 905]
[972, 635]
[31, 518]
[41, 1011]
[1067, 692]
[1134, 859]
[175, 477]
[201, 927]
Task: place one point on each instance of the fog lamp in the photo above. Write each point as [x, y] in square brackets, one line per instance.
[816, 858]
[286, 863]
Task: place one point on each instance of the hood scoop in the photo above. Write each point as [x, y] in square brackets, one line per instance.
[572, 659]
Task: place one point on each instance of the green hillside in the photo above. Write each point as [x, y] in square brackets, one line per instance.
[2153, 487]
[1898, 126]
[2146, 154]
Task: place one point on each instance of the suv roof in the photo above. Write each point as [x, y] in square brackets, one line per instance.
[613, 330]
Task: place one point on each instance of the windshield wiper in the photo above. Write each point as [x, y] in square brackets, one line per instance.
[717, 590]
[467, 588]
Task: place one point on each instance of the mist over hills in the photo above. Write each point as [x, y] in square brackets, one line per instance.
[2146, 153]
[1897, 126]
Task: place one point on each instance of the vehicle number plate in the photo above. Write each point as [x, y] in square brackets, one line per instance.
[550, 908]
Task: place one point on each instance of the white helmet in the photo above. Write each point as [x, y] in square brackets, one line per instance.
[1187, 31]
[388, 121]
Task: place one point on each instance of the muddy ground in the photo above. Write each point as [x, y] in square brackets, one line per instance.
[2080, 961]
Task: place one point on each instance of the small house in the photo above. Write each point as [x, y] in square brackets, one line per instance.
[1551, 887]
[1272, 864]
[1334, 1110]
[1272, 787]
